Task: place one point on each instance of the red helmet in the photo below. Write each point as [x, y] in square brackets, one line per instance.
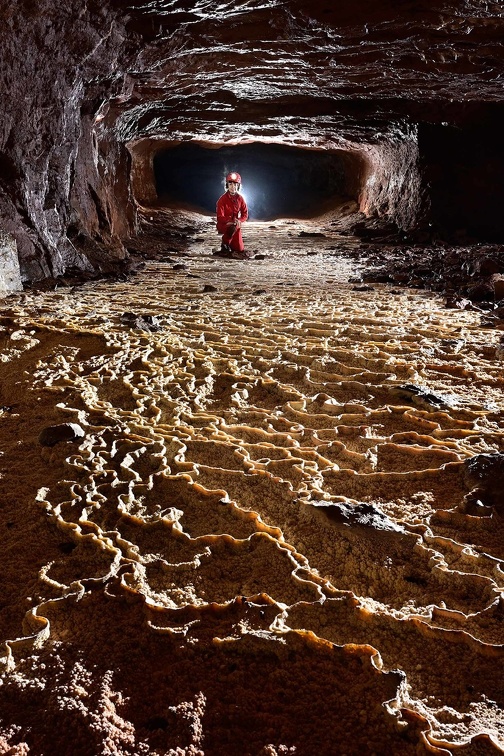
[233, 176]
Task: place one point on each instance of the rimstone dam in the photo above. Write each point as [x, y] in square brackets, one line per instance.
[252, 507]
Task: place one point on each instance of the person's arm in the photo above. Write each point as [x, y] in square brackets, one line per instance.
[243, 211]
[221, 213]
[223, 219]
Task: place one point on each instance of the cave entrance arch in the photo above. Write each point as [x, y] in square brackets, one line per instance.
[278, 180]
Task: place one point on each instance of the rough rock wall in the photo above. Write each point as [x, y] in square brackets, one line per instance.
[56, 61]
[10, 278]
[393, 187]
[143, 185]
[384, 177]
[101, 200]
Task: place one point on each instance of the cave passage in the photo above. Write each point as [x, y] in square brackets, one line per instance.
[277, 181]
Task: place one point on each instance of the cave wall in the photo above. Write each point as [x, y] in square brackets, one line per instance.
[142, 180]
[383, 178]
[393, 188]
[57, 63]
[102, 204]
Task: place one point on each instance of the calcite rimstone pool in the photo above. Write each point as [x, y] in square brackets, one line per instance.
[265, 542]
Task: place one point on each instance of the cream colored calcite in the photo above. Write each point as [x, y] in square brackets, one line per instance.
[260, 547]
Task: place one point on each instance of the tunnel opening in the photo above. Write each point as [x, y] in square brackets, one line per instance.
[277, 180]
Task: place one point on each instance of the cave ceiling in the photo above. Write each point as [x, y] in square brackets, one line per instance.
[308, 73]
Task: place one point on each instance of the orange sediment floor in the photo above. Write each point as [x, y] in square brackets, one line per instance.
[266, 542]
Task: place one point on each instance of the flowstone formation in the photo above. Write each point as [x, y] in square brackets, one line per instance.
[250, 508]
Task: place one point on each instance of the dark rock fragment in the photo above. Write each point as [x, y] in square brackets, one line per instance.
[484, 474]
[498, 313]
[480, 290]
[401, 278]
[148, 323]
[208, 288]
[378, 277]
[361, 514]
[472, 505]
[497, 281]
[455, 301]
[487, 266]
[152, 321]
[53, 434]
[419, 396]
[127, 316]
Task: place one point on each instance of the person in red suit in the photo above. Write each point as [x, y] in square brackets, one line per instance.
[232, 212]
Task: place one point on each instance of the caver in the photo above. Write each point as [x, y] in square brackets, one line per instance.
[232, 212]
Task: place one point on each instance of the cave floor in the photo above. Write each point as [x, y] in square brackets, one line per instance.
[269, 538]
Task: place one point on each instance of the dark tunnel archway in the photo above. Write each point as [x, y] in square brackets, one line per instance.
[277, 180]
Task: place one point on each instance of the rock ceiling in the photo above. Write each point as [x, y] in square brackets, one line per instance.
[310, 72]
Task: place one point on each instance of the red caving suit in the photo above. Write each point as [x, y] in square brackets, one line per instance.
[229, 209]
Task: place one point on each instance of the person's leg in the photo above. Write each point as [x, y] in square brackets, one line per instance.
[227, 236]
[224, 230]
[225, 242]
[236, 241]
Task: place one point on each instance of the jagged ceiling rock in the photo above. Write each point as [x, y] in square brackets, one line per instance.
[92, 91]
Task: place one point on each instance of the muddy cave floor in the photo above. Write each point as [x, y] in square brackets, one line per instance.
[279, 527]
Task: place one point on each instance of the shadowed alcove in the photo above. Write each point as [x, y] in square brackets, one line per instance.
[464, 164]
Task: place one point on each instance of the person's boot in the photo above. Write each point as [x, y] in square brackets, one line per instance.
[224, 251]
